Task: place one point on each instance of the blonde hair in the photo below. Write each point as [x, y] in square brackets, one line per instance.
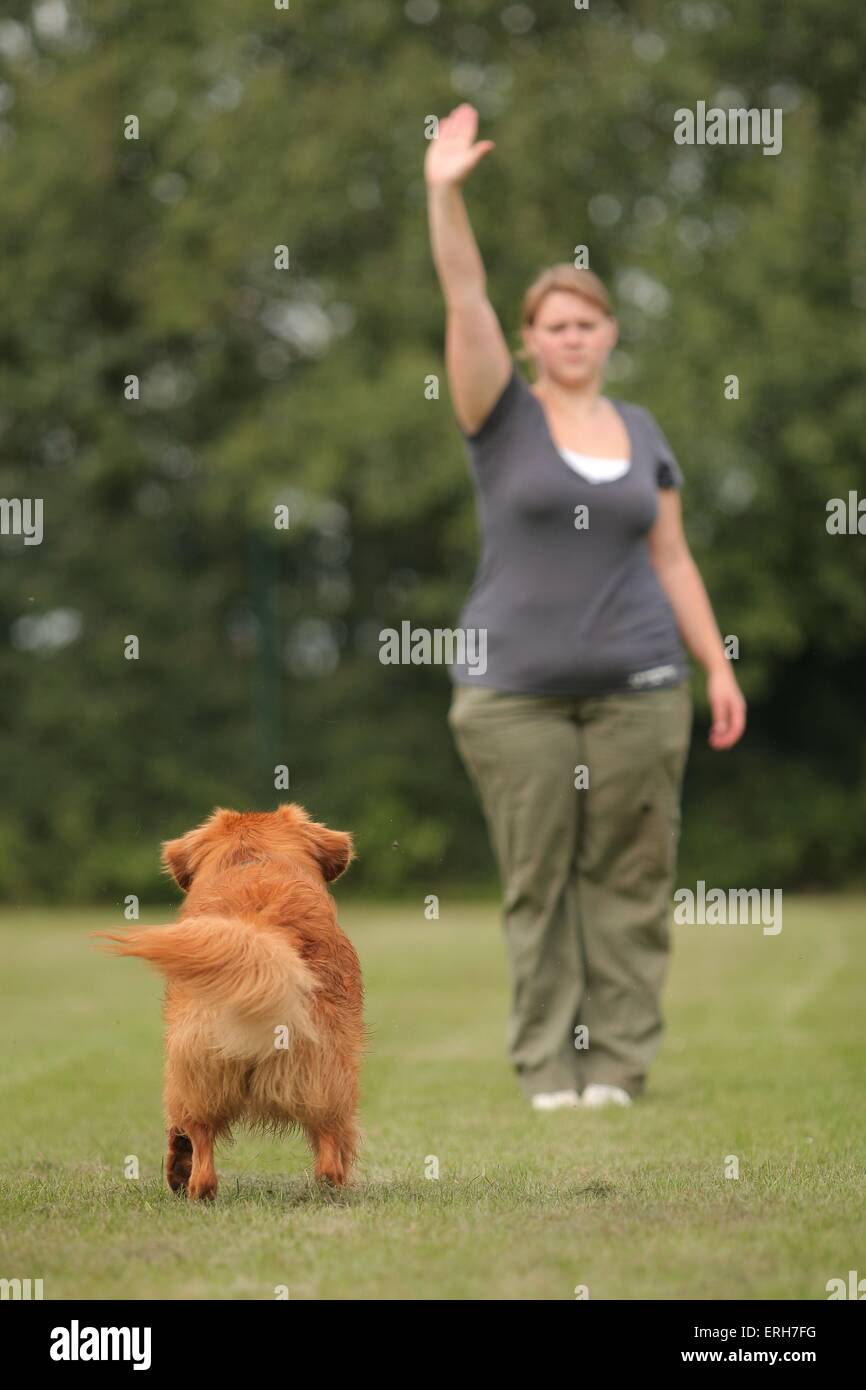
[561, 277]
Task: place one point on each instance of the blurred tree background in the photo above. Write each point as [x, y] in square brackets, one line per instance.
[305, 386]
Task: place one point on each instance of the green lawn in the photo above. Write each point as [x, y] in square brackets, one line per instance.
[763, 1059]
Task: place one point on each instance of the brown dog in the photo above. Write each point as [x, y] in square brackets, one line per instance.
[264, 1001]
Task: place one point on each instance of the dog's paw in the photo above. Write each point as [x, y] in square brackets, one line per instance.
[203, 1191]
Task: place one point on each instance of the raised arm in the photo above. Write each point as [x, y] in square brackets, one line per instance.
[477, 358]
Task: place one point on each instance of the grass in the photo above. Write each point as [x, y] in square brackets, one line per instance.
[763, 1059]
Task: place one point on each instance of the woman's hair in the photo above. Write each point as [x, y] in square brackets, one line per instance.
[561, 277]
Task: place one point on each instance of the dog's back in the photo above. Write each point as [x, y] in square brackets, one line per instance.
[264, 999]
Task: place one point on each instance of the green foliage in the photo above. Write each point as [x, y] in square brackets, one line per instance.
[306, 387]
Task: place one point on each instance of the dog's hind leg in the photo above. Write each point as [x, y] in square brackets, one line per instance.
[203, 1179]
[178, 1160]
[335, 1151]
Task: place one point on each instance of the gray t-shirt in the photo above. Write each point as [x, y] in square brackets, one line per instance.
[565, 599]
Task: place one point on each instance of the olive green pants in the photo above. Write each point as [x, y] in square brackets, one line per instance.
[581, 796]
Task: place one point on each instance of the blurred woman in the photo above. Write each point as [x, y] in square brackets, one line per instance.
[575, 729]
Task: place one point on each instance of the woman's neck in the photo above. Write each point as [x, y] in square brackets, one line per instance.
[577, 403]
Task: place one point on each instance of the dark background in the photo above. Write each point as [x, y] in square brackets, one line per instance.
[306, 386]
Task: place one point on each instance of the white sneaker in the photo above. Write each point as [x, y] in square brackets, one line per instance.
[597, 1094]
[554, 1100]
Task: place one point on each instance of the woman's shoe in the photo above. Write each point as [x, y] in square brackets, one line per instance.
[598, 1094]
[554, 1100]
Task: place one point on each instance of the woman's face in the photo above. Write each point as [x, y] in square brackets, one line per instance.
[570, 338]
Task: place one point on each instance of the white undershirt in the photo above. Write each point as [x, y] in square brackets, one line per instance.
[595, 470]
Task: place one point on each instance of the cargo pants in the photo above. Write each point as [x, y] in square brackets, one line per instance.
[581, 796]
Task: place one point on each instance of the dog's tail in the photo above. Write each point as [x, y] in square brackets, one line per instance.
[232, 966]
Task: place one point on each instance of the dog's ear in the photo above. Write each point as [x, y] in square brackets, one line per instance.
[182, 857]
[177, 859]
[333, 850]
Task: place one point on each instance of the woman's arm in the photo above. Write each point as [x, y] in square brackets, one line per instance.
[680, 578]
[455, 251]
[476, 354]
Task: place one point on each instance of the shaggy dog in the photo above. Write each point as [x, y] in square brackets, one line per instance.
[264, 1001]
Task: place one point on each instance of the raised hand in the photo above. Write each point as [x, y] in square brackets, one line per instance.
[455, 152]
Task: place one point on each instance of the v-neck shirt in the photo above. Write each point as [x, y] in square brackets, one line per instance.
[595, 469]
[565, 591]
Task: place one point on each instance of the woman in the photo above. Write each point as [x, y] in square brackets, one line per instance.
[575, 730]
